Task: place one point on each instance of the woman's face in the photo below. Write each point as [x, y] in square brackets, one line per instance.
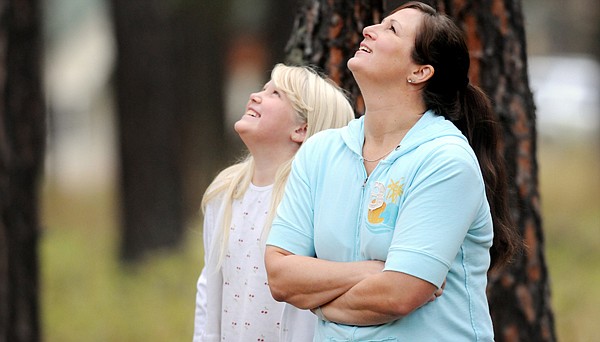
[385, 52]
[269, 118]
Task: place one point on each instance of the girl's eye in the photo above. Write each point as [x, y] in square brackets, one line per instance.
[393, 28]
[275, 92]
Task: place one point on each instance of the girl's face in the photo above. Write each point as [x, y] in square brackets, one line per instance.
[269, 118]
[386, 49]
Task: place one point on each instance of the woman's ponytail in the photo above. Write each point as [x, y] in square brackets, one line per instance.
[479, 124]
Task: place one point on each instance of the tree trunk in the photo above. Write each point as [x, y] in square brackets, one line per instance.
[200, 36]
[520, 295]
[22, 132]
[147, 117]
[326, 34]
[278, 29]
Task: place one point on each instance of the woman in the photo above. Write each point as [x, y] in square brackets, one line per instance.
[233, 301]
[403, 185]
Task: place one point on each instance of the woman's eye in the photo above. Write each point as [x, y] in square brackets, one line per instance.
[393, 28]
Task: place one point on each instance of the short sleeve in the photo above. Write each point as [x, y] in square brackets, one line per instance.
[440, 207]
[293, 226]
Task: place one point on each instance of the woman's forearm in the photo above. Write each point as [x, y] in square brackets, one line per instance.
[380, 299]
[307, 282]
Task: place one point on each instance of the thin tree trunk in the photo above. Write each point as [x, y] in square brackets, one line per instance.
[200, 36]
[148, 128]
[22, 132]
[278, 28]
[326, 34]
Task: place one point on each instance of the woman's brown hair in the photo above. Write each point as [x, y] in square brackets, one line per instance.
[440, 43]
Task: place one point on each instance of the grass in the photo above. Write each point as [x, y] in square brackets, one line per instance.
[570, 190]
[88, 296]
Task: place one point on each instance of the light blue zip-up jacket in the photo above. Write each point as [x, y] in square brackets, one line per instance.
[423, 210]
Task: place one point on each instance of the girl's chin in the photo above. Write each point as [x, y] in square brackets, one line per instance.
[244, 125]
[238, 127]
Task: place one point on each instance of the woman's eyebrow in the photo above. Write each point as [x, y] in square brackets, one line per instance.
[393, 21]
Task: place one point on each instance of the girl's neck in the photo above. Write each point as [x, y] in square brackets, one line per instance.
[264, 174]
[266, 165]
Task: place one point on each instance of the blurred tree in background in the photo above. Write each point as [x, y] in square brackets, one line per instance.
[327, 33]
[22, 132]
[150, 180]
[170, 74]
[169, 81]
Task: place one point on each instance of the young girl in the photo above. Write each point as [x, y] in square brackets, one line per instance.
[233, 300]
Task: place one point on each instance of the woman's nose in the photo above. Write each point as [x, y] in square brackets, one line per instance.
[369, 32]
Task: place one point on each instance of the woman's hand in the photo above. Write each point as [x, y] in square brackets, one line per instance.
[438, 292]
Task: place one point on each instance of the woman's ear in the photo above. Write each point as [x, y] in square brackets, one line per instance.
[299, 133]
[424, 73]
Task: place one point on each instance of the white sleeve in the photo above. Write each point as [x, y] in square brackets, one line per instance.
[200, 316]
[209, 285]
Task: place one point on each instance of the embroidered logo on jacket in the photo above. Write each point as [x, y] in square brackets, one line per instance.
[383, 202]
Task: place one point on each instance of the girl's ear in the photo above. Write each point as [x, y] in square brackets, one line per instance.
[299, 134]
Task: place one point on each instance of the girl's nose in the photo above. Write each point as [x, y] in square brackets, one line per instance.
[254, 97]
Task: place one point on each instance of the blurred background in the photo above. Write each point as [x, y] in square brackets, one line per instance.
[88, 294]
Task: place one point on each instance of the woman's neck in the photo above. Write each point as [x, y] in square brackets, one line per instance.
[389, 124]
[390, 114]
[391, 109]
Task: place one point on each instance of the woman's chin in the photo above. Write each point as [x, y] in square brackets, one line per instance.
[351, 63]
[355, 64]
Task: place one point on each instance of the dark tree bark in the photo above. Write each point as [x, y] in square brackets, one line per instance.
[169, 81]
[326, 34]
[201, 35]
[520, 295]
[278, 28]
[150, 164]
[22, 132]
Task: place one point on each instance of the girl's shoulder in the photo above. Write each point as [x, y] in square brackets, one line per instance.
[233, 174]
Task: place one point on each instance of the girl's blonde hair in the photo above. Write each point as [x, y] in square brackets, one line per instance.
[318, 102]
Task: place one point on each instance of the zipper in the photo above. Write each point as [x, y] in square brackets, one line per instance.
[361, 213]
